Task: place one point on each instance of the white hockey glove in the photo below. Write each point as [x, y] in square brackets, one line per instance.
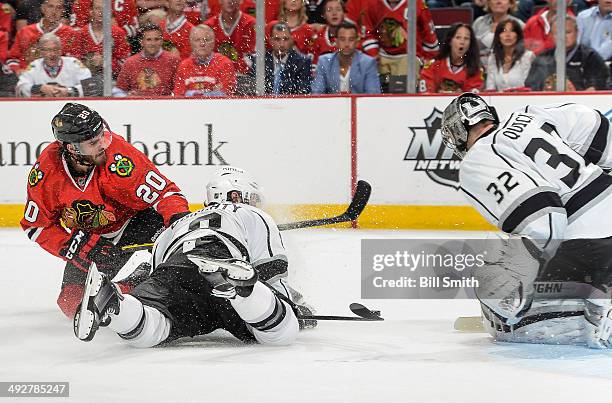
[505, 282]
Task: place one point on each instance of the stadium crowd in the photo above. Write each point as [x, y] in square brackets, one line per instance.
[206, 48]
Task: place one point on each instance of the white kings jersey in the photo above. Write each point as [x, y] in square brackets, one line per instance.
[248, 232]
[70, 74]
[523, 178]
[585, 130]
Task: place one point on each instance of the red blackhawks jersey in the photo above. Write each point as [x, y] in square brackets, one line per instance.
[388, 24]
[249, 7]
[236, 43]
[125, 14]
[3, 46]
[86, 42]
[440, 76]
[24, 48]
[113, 193]
[148, 77]
[196, 79]
[176, 36]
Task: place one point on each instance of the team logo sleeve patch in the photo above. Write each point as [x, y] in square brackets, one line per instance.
[35, 175]
[123, 166]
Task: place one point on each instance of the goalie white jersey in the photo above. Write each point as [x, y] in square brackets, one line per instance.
[525, 179]
[585, 130]
[248, 232]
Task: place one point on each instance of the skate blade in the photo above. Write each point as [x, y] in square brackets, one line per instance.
[84, 320]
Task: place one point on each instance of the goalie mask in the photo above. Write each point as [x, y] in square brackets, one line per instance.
[460, 115]
[81, 132]
[233, 185]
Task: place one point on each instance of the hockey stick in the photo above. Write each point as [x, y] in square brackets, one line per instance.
[469, 324]
[363, 314]
[358, 203]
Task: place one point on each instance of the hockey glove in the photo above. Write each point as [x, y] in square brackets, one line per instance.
[83, 249]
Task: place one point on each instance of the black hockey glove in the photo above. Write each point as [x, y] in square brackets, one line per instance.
[84, 248]
[175, 217]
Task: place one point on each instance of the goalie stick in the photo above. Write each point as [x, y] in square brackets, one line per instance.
[355, 208]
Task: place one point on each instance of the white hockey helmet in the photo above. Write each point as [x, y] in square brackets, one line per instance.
[234, 185]
[463, 112]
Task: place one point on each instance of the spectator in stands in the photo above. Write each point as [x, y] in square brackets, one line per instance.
[235, 34]
[509, 61]
[155, 17]
[145, 6]
[205, 73]
[386, 19]
[288, 72]
[125, 14]
[537, 33]
[484, 27]
[249, 7]
[457, 67]
[6, 17]
[348, 70]
[595, 27]
[151, 72]
[585, 70]
[30, 12]
[89, 43]
[176, 29]
[315, 10]
[325, 41]
[25, 48]
[52, 75]
[293, 12]
[3, 46]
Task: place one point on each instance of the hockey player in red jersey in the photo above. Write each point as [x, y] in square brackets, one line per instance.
[89, 193]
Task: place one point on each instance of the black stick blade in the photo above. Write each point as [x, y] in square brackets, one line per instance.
[360, 200]
[364, 312]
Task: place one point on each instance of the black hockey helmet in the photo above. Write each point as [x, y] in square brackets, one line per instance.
[76, 123]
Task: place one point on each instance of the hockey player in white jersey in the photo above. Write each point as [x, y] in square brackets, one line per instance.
[207, 271]
[522, 176]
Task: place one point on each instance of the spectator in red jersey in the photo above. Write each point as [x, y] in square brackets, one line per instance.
[457, 67]
[29, 12]
[538, 36]
[386, 20]
[125, 14]
[326, 37]
[6, 18]
[235, 34]
[249, 7]
[176, 29]
[293, 12]
[24, 49]
[151, 72]
[89, 46]
[3, 46]
[206, 73]
[106, 194]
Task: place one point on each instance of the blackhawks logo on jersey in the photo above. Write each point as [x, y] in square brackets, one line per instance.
[123, 166]
[86, 215]
[431, 155]
[35, 175]
[228, 50]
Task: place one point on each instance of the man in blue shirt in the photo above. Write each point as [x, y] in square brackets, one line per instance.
[595, 28]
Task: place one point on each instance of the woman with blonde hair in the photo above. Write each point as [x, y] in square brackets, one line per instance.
[509, 62]
[293, 12]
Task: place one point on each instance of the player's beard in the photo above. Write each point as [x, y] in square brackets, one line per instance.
[88, 161]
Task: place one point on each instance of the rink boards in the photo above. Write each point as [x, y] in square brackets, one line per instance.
[306, 152]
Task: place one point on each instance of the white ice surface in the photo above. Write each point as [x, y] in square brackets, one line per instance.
[413, 356]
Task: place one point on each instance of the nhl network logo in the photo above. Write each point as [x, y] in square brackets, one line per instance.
[431, 155]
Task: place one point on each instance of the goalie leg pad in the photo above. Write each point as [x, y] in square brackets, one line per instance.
[271, 320]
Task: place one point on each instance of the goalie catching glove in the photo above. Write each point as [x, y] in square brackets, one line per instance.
[84, 248]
